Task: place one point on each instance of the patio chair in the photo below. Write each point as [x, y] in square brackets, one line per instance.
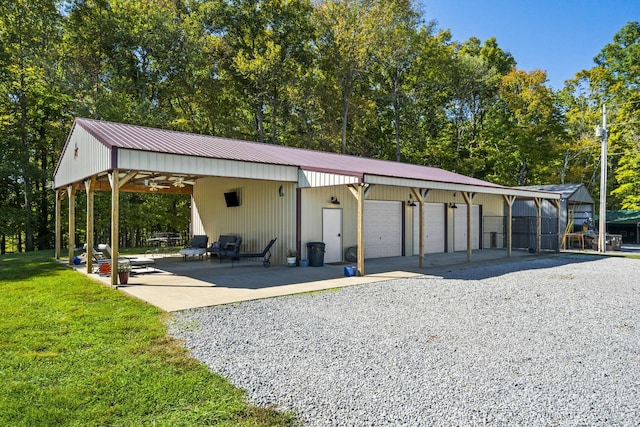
[231, 250]
[198, 247]
[265, 254]
[223, 243]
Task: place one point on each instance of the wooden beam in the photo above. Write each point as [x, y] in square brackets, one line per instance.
[58, 229]
[72, 223]
[89, 240]
[509, 200]
[126, 178]
[115, 225]
[468, 199]
[139, 188]
[420, 194]
[360, 220]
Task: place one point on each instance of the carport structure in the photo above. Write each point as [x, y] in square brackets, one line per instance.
[284, 192]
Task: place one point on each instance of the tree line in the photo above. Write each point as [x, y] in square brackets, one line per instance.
[374, 78]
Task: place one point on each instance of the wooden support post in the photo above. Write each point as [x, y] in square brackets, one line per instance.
[72, 222]
[468, 199]
[509, 200]
[88, 184]
[538, 202]
[58, 224]
[420, 195]
[361, 196]
[115, 225]
[558, 205]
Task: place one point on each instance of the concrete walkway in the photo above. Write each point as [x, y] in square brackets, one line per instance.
[174, 284]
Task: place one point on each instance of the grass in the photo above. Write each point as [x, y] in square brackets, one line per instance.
[75, 352]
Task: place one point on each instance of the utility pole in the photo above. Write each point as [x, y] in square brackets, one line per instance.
[602, 229]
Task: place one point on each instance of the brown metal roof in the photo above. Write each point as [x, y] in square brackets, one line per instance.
[186, 144]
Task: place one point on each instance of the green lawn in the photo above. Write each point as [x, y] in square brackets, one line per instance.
[75, 352]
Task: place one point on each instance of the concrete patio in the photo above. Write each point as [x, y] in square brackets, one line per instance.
[175, 284]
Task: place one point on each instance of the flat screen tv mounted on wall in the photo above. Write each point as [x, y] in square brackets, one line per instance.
[232, 199]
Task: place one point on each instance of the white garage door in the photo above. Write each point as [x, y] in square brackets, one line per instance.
[434, 228]
[460, 227]
[382, 229]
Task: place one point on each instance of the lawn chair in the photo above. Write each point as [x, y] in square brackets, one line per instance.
[95, 254]
[265, 254]
[136, 262]
[198, 247]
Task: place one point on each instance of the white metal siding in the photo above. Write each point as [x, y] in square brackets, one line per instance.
[171, 163]
[91, 158]
[323, 179]
[382, 229]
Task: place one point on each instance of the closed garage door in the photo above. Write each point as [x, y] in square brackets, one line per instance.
[460, 227]
[382, 229]
[434, 228]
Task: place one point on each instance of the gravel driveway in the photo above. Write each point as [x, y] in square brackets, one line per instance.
[548, 341]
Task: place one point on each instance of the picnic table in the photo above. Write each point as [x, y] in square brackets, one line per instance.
[165, 237]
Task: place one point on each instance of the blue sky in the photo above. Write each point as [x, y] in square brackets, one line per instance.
[561, 37]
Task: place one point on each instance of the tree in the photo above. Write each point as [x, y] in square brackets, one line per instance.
[614, 81]
[527, 128]
[265, 51]
[394, 58]
[345, 46]
[32, 107]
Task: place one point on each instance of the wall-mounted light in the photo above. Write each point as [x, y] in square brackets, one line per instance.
[411, 202]
[281, 191]
[334, 200]
[453, 205]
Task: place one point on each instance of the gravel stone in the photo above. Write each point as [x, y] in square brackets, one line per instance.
[548, 341]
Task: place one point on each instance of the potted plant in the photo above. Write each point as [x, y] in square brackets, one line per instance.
[124, 268]
[291, 257]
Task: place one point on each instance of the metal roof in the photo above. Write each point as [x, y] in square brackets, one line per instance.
[571, 192]
[628, 217]
[131, 137]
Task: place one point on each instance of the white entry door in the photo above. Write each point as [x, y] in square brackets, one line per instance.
[382, 229]
[332, 234]
[434, 228]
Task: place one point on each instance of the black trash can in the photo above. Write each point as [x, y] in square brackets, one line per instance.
[315, 253]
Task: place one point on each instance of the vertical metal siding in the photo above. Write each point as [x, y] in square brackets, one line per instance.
[313, 200]
[261, 216]
[171, 163]
[93, 157]
[323, 179]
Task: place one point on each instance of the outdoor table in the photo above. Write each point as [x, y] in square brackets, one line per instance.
[192, 252]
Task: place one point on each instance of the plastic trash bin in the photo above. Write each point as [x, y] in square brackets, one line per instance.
[315, 254]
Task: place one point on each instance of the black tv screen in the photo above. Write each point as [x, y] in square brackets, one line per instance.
[232, 199]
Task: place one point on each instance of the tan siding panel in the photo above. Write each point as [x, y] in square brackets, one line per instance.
[261, 216]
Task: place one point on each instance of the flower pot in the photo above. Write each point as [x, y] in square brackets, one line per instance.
[291, 261]
[124, 277]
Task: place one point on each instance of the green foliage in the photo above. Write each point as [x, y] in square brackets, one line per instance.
[77, 353]
[365, 77]
[613, 81]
